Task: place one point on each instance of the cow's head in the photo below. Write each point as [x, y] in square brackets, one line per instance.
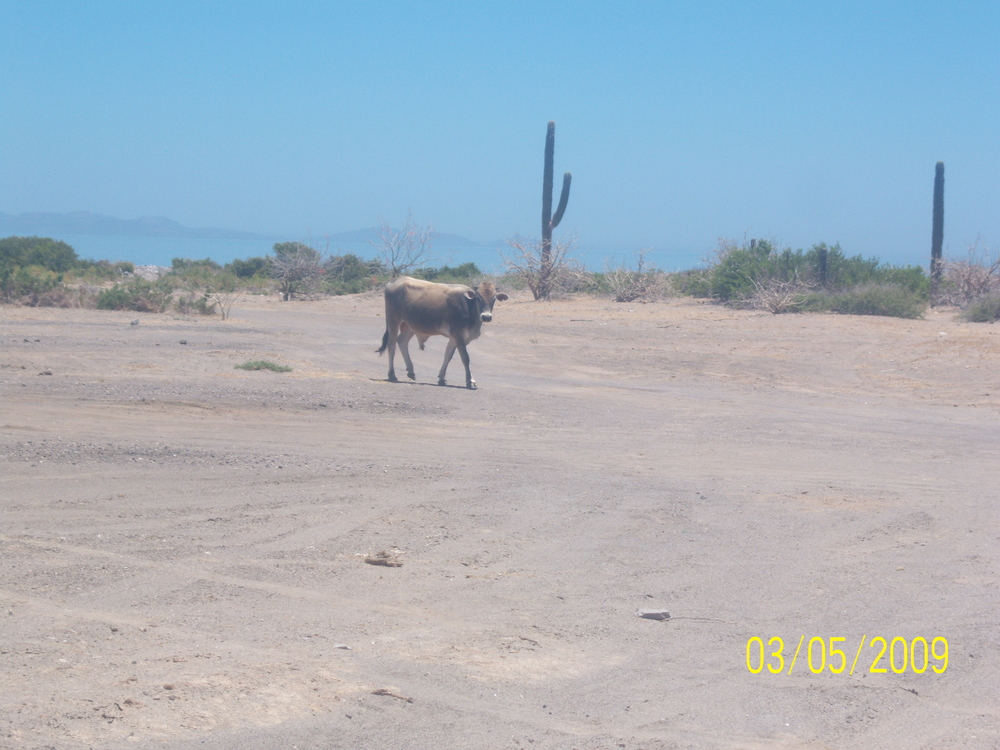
[483, 299]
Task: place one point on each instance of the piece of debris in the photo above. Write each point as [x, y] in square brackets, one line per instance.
[183, 341]
[45, 372]
[383, 558]
[653, 614]
[135, 322]
[392, 694]
[342, 645]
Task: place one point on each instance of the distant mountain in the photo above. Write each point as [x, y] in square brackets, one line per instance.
[86, 223]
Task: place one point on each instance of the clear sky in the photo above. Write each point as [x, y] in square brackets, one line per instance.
[680, 121]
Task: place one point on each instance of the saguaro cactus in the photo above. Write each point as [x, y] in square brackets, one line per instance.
[937, 230]
[550, 221]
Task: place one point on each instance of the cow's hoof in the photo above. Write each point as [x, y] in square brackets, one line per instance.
[411, 375]
[471, 385]
[393, 379]
[442, 381]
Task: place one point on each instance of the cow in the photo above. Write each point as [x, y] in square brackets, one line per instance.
[414, 307]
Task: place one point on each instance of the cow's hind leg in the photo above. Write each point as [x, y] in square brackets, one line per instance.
[448, 354]
[391, 334]
[405, 334]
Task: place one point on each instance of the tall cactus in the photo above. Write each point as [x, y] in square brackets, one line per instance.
[550, 222]
[937, 230]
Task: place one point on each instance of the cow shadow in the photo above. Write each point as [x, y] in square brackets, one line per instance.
[428, 385]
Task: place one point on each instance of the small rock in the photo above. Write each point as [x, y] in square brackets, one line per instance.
[135, 322]
[653, 614]
[343, 646]
[45, 372]
[183, 341]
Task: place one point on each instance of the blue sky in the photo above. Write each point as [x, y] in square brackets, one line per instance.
[681, 122]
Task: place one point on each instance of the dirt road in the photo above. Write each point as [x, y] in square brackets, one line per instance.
[183, 545]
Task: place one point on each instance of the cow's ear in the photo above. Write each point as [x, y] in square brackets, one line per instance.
[470, 294]
[501, 297]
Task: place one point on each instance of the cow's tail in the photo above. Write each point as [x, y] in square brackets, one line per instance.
[385, 343]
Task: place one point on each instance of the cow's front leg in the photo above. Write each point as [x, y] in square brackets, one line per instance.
[464, 354]
[405, 334]
[448, 354]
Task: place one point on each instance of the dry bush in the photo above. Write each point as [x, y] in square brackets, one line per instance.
[778, 296]
[545, 275]
[967, 280]
[643, 284]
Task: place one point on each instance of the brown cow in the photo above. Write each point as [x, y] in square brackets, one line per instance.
[414, 307]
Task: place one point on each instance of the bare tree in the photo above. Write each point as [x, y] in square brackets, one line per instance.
[404, 249]
[298, 269]
[544, 268]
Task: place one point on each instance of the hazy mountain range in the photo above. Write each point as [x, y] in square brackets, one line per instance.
[86, 223]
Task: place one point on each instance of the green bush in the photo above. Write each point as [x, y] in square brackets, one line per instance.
[262, 364]
[741, 269]
[696, 282]
[247, 269]
[985, 309]
[869, 299]
[180, 265]
[349, 274]
[53, 255]
[136, 294]
[732, 277]
[194, 304]
[466, 273]
[95, 271]
[34, 286]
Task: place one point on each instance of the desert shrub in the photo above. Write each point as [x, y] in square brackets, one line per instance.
[740, 271]
[136, 294]
[194, 304]
[181, 265]
[695, 282]
[53, 255]
[349, 274]
[247, 269]
[778, 296]
[641, 283]
[547, 275]
[262, 364]
[737, 266]
[869, 299]
[985, 309]
[96, 271]
[33, 286]
[466, 273]
[965, 281]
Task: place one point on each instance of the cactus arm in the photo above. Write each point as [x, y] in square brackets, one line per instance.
[563, 200]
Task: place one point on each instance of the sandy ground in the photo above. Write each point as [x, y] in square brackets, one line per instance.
[183, 544]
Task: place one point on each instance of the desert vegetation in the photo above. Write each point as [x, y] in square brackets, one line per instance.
[750, 274]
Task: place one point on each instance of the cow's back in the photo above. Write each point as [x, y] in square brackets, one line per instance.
[426, 306]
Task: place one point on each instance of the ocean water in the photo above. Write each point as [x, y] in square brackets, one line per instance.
[160, 251]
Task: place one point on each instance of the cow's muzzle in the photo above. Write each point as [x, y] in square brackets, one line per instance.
[486, 317]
